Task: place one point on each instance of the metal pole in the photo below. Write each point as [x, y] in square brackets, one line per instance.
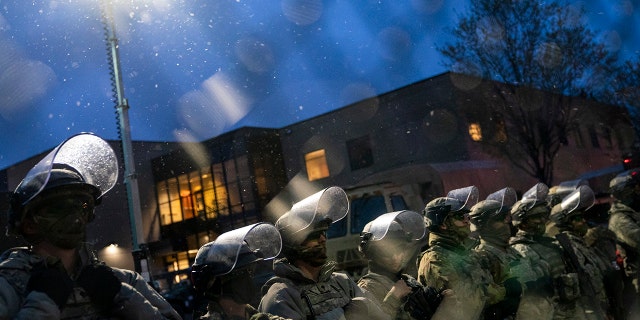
[130, 177]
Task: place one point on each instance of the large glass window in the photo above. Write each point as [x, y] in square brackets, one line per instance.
[316, 163]
[209, 193]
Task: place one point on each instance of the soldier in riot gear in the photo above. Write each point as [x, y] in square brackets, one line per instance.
[305, 285]
[222, 273]
[522, 279]
[530, 216]
[389, 242]
[591, 268]
[555, 196]
[624, 221]
[59, 276]
[448, 263]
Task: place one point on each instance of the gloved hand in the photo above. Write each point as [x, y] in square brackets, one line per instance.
[53, 282]
[101, 284]
[513, 287]
[423, 302]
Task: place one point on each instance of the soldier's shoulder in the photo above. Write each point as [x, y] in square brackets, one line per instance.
[16, 258]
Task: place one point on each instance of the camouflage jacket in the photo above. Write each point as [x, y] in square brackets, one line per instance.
[135, 300]
[449, 264]
[379, 286]
[334, 296]
[625, 223]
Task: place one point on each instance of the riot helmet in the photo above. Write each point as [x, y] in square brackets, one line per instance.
[457, 201]
[557, 193]
[576, 203]
[309, 216]
[622, 187]
[223, 267]
[72, 178]
[532, 203]
[391, 239]
[496, 206]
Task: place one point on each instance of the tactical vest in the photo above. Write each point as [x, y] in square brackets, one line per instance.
[16, 266]
[320, 299]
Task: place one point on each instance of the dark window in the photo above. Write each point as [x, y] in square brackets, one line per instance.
[364, 210]
[594, 137]
[360, 154]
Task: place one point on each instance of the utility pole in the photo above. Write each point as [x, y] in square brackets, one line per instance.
[130, 178]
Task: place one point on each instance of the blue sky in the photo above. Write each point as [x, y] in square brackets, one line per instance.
[193, 69]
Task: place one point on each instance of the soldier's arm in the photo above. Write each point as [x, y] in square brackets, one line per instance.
[626, 230]
[139, 300]
[283, 301]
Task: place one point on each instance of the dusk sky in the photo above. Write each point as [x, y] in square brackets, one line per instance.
[193, 69]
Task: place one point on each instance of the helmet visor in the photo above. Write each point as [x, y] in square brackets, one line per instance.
[581, 199]
[507, 197]
[463, 198]
[329, 204]
[87, 153]
[411, 222]
[261, 239]
[534, 196]
[566, 187]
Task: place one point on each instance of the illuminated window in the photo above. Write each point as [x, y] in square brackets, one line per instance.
[475, 132]
[316, 163]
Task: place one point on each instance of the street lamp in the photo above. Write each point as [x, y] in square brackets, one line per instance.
[130, 177]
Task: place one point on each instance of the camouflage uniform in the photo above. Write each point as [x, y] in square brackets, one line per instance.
[449, 264]
[378, 286]
[135, 300]
[292, 295]
[624, 222]
[215, 312]
[505, 263]
[550, 256]
[594, 266]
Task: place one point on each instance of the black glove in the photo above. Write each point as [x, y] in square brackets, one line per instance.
[422, 302]
[101, 284]
[513, 287]
[53, 282]
[541, 286]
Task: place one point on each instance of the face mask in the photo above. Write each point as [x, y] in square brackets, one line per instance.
[63, 221]
[240, 287]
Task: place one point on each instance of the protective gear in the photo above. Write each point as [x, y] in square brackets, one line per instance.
[557, 193]
[230, 256]
[533, 203]
[101, 284]
[392, 236]
[83, 163]
[497, 205]
[575, 203]
[312, 214]
[457, 201]
[52, 281]
[622, 187]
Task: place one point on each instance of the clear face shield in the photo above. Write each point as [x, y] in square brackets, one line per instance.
[225, 266]
[536, 196]
[578, 201]
[327, 206]
[91, 156]
[226, 252]
[394, 237]
[463, 198]
[563, 189]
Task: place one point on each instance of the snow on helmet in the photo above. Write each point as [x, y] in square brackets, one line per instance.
[457, 200]
[233, 250]
[576, 202]
[314, 213]
[84, 161]
[533, 202]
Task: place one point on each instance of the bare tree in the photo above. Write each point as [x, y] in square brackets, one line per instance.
[542, 58]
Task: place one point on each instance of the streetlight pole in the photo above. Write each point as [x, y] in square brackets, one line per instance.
[130, 178]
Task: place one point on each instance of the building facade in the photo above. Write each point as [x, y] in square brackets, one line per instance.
[404, 147]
